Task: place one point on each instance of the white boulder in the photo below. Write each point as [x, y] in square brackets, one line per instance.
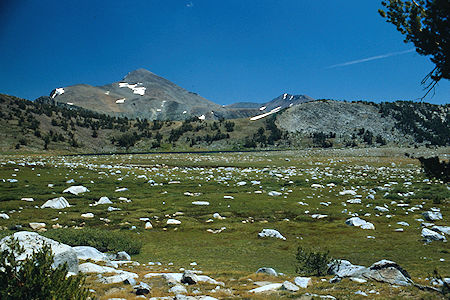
[432, 215]
[200, 203]
[271, 233]
[431, 235]
[173, 222]
[274, 193]
[267, 288]
[32, 241]
[37, 226]
[87, 252]
[56, 203]
[103, 200]
[358, 222]
[303, 282]
[289, 286]
[76, 189]
[443, 229]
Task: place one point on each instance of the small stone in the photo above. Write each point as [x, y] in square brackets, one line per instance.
[37, 226]
[173, 222]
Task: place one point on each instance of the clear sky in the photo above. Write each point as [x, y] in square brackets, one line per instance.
[225, 50]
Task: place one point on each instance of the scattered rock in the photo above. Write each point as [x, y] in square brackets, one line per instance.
[271, 233]
[148, 225]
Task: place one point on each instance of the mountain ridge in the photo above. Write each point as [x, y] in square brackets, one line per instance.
[144, 94]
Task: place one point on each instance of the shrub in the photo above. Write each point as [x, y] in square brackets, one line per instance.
[34, 277]
[102, 240]
[436, 169]
[312, 263]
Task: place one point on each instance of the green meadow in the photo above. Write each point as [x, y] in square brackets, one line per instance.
[237, 187]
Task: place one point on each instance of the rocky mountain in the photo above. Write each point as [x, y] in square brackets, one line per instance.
[142, 94]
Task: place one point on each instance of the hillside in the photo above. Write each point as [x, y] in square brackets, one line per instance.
[39, 126]
[355, 123]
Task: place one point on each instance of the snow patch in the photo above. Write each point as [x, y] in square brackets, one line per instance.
[202, 117]
[284, 96]
[69, 103]
[119, 101]
[107, 93]
[275, 110]
[57, 92]
[139, 90]
[262, 108]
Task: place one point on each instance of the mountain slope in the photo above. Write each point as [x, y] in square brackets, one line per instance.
[283, 101]
[349, 123]
[142, 94]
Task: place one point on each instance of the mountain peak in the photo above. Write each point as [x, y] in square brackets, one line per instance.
[139, 75]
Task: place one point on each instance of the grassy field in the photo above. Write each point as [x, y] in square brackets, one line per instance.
[164, 186]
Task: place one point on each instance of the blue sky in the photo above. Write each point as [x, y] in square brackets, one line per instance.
[227, 51]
